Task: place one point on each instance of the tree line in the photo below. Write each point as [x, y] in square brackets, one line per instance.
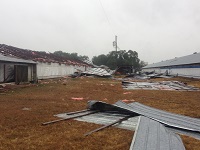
[113, 59]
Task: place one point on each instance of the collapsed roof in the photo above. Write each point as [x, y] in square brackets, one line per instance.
[37, 56]
[12, 59]
[97, 72]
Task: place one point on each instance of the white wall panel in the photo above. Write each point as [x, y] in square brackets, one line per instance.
[30, 72]
[53, 70]
[186, 72]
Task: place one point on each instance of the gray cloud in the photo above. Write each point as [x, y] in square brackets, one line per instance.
[156, 29]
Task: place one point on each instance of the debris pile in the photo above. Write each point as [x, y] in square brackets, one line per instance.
[164, 85]
[146, 76]
[156, 129]
[99, 72]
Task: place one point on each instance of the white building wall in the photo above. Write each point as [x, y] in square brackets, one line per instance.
[54, 70]
[185, 72]
[30, 72]
[157, 70]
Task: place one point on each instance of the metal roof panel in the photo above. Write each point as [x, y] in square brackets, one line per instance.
[189, 59]
[152, 135]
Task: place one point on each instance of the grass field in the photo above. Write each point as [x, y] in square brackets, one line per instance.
[24, 108]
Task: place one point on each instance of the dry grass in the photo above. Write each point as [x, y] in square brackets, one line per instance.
[21, 129]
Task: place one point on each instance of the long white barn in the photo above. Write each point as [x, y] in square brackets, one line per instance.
[34, 65]
[186, 66]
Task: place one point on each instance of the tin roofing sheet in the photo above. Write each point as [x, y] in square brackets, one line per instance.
[163, 85]
[106, 118]
[189, 59]
[151, 135]
[179, 123]
[167, 118]
[97, 71]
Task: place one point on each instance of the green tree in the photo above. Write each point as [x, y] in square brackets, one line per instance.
[118, 58]
[100, 60]
[73, 56]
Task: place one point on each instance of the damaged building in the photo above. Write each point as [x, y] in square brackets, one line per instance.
[17, 70]
[22, 65]
[186, 66]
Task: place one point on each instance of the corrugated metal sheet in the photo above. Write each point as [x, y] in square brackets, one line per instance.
[98, 72]
[189, 59]
[151, 135]
[179, 123]
[105, 119]
[195, 135]
[164, 85]
[15, 60]
[155, 128]
[167, 118]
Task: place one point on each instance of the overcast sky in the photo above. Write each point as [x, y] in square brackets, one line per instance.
[156, 29]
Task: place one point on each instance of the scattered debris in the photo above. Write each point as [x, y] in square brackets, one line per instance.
[99, 72]
[75, 75]
[146, 76]
[154, 128]
[25, 108]
[77, 98]
[126, 100]
[164, 85]
[127, 93]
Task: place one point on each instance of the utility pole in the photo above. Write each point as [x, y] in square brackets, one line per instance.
[116, 43]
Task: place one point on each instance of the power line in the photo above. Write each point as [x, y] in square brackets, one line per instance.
[112, 30]
[107, 18]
